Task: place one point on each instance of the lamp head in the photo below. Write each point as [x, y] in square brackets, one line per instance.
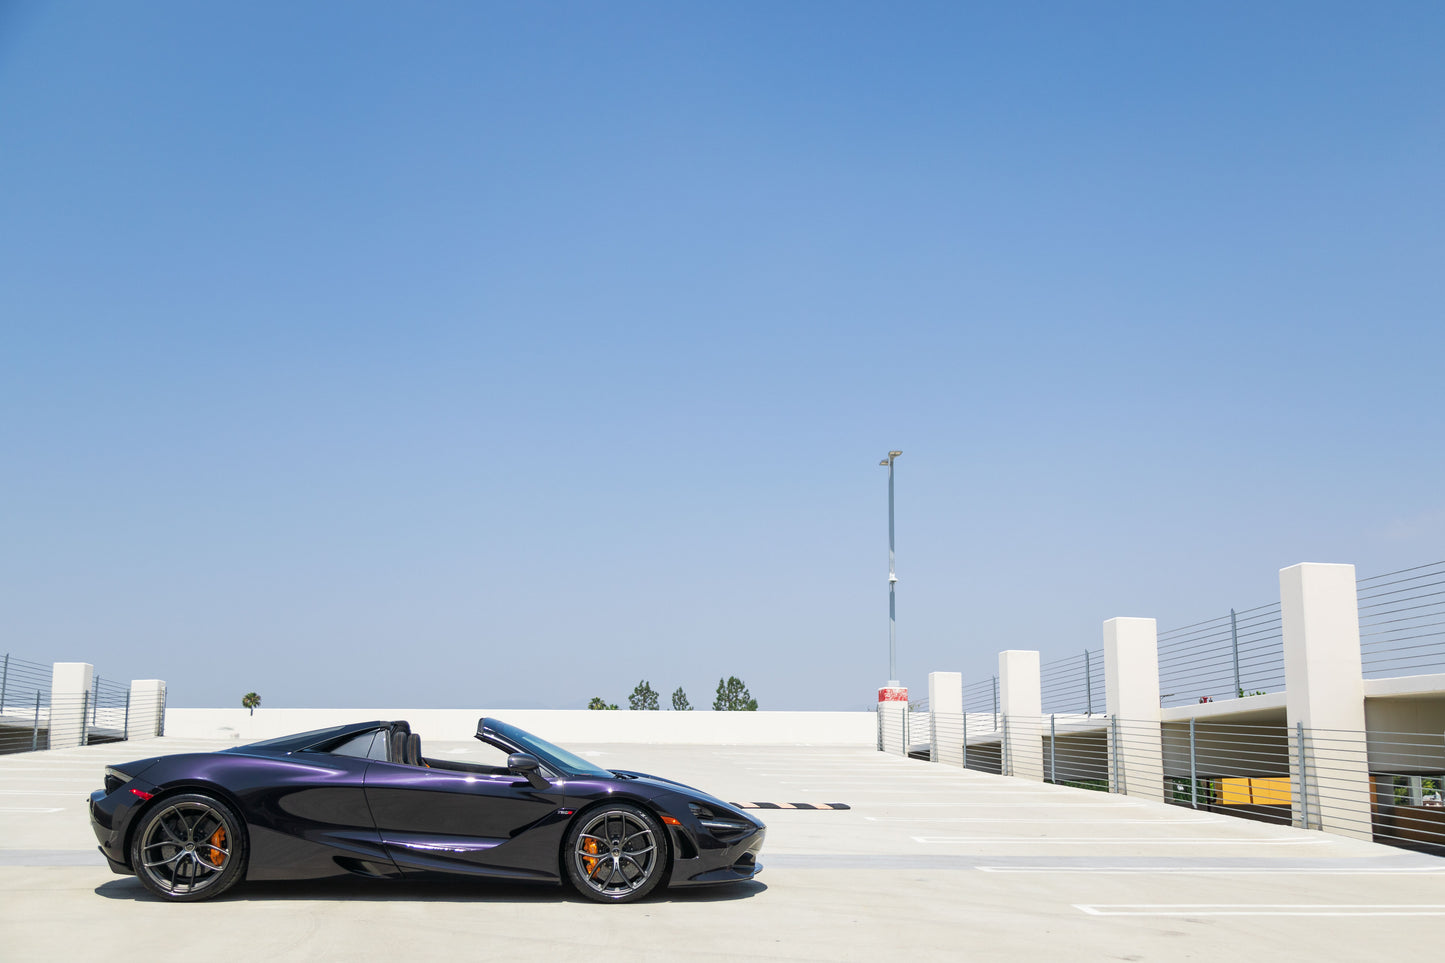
[894, 454]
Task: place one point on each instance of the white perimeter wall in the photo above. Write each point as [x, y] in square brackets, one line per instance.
[562, 726]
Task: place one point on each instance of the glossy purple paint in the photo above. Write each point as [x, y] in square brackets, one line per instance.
[310, 813]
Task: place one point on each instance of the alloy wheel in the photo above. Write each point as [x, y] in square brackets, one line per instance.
[186, 847]
[617, 854]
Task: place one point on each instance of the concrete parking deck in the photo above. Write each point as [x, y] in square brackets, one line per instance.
[930, 862]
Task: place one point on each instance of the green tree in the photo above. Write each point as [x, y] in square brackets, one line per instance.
[733, 696]
[643, 697]
[598, 703]
[250, 701]
[679, 701]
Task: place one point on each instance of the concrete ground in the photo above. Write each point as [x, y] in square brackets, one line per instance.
[929, 863]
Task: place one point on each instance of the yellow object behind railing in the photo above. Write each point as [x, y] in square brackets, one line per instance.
[1255, 791]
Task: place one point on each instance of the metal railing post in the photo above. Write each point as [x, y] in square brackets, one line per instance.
[995, 703]
[161, 723]
[1304, 799]
[932, 735]
[1053, 740]
[1193, 770]
[35, 729]
[965, 738]
[125, 729]
[4, 681]
[94, 702]
[84, 728]
[1005, 764]
[1088, 682]
[907, 711]
[1234, 642]
[879, 713]
[1114, 739]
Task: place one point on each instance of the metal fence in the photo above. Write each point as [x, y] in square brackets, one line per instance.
[1402, 621]
[893, 734]
[1228, 657]
[24, 705]
[981, 699]
[1074, 683]
[1385, 786]
[32, 717]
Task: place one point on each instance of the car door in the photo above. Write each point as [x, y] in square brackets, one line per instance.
[440, 820]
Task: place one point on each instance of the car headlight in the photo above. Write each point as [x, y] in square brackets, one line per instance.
[721, 825]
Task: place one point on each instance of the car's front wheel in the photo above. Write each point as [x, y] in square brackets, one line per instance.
[616, 853]
[189, 847]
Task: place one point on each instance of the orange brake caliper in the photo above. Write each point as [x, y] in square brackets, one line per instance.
[591, 860]
[218, 838]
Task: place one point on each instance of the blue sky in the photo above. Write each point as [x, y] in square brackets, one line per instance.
[495, 355]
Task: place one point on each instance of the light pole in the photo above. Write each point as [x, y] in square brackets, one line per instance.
[892, 579]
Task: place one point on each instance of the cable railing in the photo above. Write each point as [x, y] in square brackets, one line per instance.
[1385, 786]
[24, 705]
[1076, 752]
[1229, 657]
[34, 717]
[1236, 770]
[1402, 621]
[893, 732]
[1074, 683]
[980, 703]
[1389, 786]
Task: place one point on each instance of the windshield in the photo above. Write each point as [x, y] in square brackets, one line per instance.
[554, 756]
[297, 739]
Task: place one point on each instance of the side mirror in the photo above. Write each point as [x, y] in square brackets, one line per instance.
[528, 765]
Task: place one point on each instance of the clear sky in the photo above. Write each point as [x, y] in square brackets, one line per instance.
[501, 354]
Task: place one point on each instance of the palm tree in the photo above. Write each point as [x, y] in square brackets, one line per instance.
[250, 701]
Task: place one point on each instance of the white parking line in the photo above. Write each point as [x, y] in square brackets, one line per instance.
[21, 809]
[860, 790]
[1050, 820]
[1261, 909]
[955, 786]
[994, 806]
[1217, 870]
[1120, 840]
[956, 792]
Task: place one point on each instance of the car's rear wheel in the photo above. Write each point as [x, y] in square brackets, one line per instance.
[189, 847]
[616, 853]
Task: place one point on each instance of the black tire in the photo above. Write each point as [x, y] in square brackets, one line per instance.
[189, 847]
[615, 853]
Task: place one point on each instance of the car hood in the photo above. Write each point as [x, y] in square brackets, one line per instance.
[672, 785]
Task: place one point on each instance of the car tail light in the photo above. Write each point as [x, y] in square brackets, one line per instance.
[141, 793]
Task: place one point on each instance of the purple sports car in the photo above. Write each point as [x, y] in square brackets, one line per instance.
[361, 799]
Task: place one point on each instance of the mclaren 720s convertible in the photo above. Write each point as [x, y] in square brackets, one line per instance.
[361, 799]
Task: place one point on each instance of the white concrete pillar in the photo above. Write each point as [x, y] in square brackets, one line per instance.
[1131, 696]
[1021, 705]
[893, 719]
[1325, 691]
[945, 707]
[145, 715]
[69, 703]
